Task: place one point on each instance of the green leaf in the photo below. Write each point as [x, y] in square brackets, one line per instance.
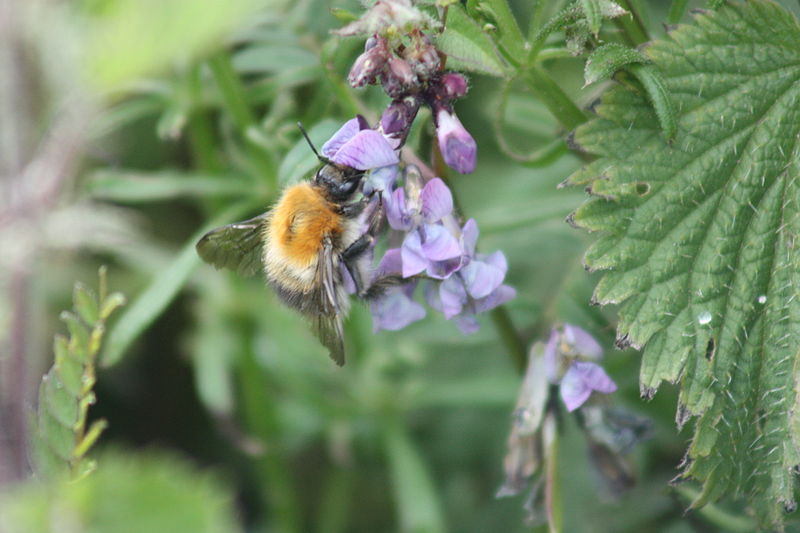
[608, 59]
[132, 38]
[591, 10]
[136, 187]
[700, 238]
[85, 304]
[65, 394]
[128, 492]
[418, 506]
[507, 35]
[467, 46]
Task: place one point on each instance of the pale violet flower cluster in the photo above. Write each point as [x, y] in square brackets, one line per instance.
[570, 362]
[459, 282]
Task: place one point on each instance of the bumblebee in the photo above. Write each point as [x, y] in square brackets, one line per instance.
[316, 234]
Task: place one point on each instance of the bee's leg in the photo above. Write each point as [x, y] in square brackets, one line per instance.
[353, 253]
[354, 209]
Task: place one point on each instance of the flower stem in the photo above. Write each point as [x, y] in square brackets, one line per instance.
[634, 28]
[511, 338]
[676, 11]
[542, 85]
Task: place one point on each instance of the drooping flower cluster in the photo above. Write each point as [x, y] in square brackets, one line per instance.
[400, 56]
[610, 432]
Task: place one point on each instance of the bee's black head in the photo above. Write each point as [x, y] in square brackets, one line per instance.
[339, 182]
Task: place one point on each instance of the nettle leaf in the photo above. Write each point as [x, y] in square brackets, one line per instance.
[700, 239]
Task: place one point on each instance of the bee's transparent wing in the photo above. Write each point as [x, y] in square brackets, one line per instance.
[327, 325]
[238, 246]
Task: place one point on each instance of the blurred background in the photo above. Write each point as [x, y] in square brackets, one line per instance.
[127, 129]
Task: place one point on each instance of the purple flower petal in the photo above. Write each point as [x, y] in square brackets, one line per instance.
[580, 380]
[497, 260]
[481, 279]
[582, 341]
[380, 179]
[397, 211]
[344, 134]
[457, 145]
[395, 310]
[432, 296]
[414, 261]
[391, 263]
[499, 296]
[444, 269]
[367, 149]
[551, 357]
[453, 297]
[439, 243]
[469, 236]
[468, 324]
[437, 201]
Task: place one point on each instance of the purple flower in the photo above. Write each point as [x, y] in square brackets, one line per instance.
[580, 380]
[397, 119]
[453, 85]
[457, 145]
[397, 77]
[356, 145]
[426, 240]
[395, 309]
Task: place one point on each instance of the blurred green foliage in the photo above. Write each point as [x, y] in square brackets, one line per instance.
[195, 125]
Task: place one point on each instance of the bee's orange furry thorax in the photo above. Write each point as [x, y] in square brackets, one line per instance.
[301, 221]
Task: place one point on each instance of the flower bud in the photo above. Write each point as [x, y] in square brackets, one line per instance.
[370, 64]
[397, 119]
[398, 77]
[457, 145]
[453, 85]
[423, 57]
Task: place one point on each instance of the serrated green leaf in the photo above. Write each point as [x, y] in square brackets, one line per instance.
[704, 258]
[467, 46]
[608, 59]
[130, 492]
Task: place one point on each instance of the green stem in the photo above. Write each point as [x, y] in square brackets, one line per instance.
[632, 25]
[542, 85]
[676, 11]
[511, 338]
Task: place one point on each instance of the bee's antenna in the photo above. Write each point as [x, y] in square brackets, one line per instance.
[313, 149]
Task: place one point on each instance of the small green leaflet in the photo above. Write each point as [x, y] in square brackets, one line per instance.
[700, 238]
